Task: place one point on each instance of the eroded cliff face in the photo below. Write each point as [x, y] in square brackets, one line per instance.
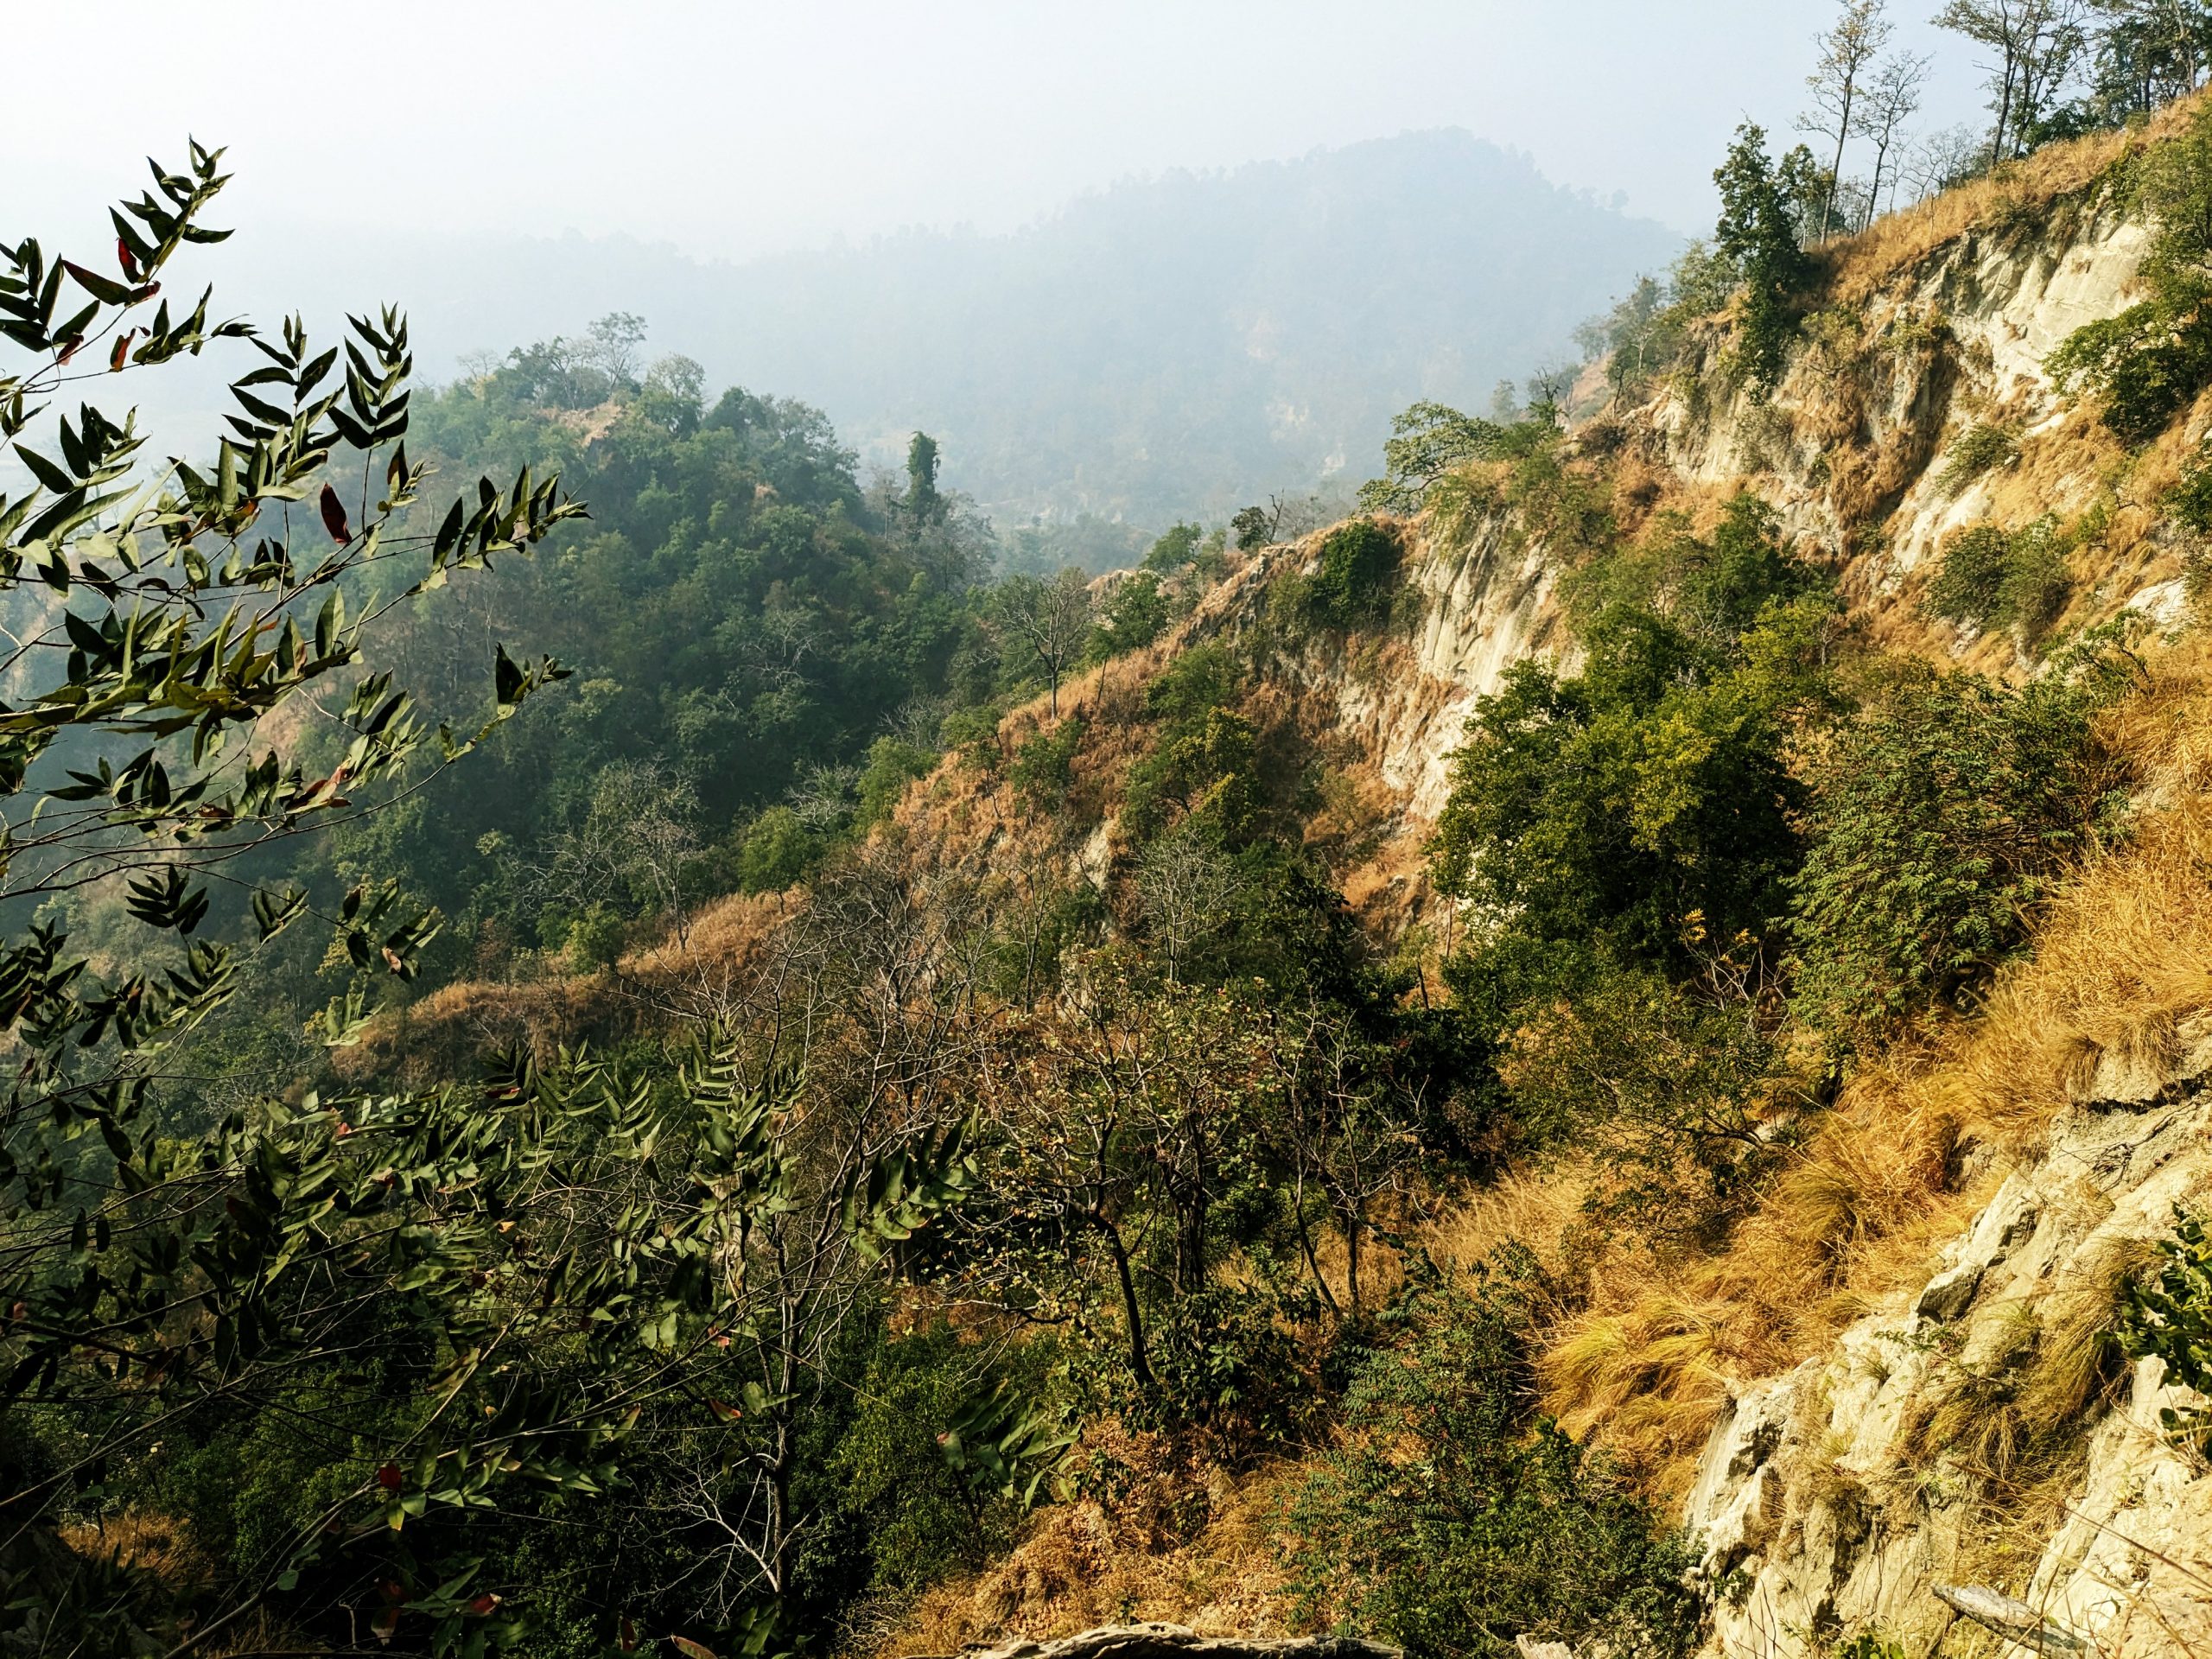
[1831, 1500]
[1849, 448]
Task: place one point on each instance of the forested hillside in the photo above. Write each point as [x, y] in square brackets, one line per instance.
[619, 1042]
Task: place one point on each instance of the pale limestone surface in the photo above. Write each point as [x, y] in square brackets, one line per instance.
[1817, 1516]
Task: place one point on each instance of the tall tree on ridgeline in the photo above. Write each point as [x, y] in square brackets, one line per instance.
[1758, 234]
[2034, 43]
[1847, 49]
[1893, 98]
[923, 501]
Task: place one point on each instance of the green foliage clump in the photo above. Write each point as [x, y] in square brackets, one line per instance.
[595, 939]
[1356, 571]
[1969, 584]
[1430, 443]
[1177, 547]
[1995, 578]
[919, 1486]
[1136, 615]
[2145, 363]
[1043, 767]
[1983, 449]
[2171, 1316]
[1664, 1083]
[892, 763]
[1940, 816]
[2191, 498]
[1645, 803]
[778, 852]
[1452, 1523]
[1427, 442]
[1760, 234]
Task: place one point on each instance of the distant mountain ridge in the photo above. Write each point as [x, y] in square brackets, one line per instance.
[1177, 345]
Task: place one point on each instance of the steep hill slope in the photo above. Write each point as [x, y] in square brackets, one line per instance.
[1898, 1371]
[1897, 1367]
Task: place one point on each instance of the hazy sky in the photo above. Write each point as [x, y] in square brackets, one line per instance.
[740, 128]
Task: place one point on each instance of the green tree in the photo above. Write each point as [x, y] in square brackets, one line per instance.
[383, 1346]
[1454, 1522]
[1759, 232]
[1645, 805]
[1940, 817]
[923, 501]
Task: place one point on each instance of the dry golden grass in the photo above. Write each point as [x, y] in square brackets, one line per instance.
[1081, 1564]
[1862, 264]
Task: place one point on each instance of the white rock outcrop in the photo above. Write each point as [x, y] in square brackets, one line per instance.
[1821, 1511]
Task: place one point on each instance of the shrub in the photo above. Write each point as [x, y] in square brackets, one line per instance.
[2035, 582]
[778, 851]
[892, 763]
[1452, 1524]
[1358, 566]
[1983, 449]
[2149, 362]
[1043, 767]
[2190, 500]
[1939, 819]
[1136, 615]
[919, 1519]
[595, 940]
[2146, 363]
[1993, 578]
[1969, 586]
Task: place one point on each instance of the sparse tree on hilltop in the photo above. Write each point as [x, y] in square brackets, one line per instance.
[1893, 98]
[1053, 618]
[1857, 37]
[2036, 43]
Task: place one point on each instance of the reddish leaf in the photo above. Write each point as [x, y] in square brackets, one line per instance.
[628, 1642]
[384, 1623]
[690, 1649]
[69, 346]
[482, 1605]
[125, 257]
[333, 517]
[389, 1478]
[116, 358]
[728, 1412]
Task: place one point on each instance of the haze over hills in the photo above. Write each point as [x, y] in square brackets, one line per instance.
[1181, 344]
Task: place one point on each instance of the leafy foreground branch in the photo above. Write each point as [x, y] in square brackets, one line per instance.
[448, 1316]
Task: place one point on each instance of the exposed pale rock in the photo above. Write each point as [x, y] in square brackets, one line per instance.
[1178, 1641]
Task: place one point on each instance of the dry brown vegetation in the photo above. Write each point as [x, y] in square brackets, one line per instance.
[2014, 192]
